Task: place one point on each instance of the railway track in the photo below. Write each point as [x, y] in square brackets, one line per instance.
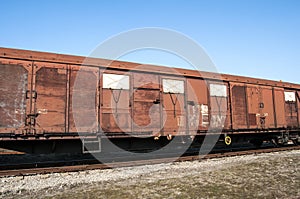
[93, 166]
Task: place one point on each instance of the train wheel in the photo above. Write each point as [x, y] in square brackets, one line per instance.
[227, 140]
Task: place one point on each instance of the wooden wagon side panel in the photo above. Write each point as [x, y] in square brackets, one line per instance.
[267, 108]
[279, 107]
[260, 106]
[83, 99]
[291, 112]
[174, 105]
[219, 105]
[15, 104]
[239, 106]
[115, 102]
[197, 105]
[146, 110]
[50, 86]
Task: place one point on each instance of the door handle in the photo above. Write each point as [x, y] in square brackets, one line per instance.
[33, 94]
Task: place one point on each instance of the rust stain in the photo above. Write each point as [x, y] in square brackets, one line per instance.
[45, 92]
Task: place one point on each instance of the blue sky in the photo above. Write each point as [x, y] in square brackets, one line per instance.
[257, 38]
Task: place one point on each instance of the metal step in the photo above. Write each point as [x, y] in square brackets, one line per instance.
[91, 145]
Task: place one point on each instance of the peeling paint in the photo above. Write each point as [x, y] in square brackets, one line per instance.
[217, 121]
[13, 99]
[194, 114]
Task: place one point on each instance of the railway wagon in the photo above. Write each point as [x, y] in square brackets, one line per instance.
[49, 101]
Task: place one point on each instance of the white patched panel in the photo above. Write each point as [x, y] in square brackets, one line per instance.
[204, 108]
[289, 96]
[218, 90]
[173, 86]
[114, 81]
[205, 116]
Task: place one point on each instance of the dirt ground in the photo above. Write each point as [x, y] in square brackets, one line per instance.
[273, 175]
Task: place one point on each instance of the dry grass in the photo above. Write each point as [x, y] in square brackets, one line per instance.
[269, 176]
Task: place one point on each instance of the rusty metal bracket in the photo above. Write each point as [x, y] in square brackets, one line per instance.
[116, 100]
[174, 102]
[27, 94]
[31, 94]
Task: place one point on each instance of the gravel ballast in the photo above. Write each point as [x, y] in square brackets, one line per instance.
[271, 175]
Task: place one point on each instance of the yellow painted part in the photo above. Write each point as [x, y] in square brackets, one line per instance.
[227, 140]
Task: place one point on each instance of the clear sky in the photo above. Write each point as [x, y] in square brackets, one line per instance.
[257, 38]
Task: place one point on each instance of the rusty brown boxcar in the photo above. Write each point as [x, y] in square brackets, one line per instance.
[40, 102]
